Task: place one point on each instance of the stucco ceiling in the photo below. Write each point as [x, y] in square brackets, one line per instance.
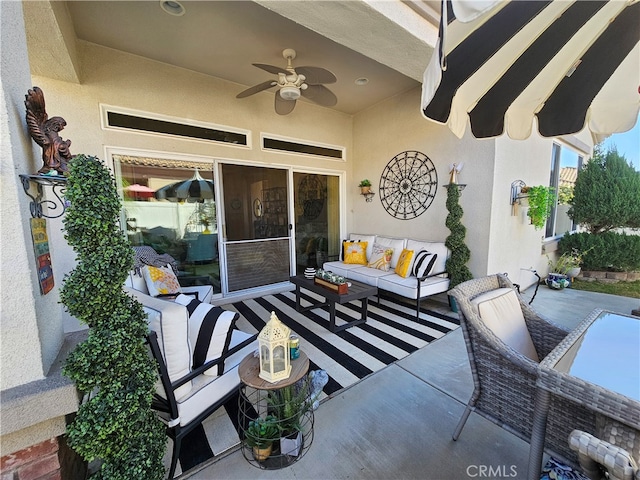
[387, 42]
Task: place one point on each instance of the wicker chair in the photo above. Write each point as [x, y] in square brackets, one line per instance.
[505, 379]
[600, 459]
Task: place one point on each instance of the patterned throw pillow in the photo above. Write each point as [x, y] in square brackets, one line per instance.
[424, 263]
[380, 257]
[210, 330]
[160, 280]
[355, 253]
[405, 262]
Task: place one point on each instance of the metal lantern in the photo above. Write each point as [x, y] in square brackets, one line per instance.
[273, 342]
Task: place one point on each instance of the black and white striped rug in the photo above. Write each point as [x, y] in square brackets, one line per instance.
[391, 333]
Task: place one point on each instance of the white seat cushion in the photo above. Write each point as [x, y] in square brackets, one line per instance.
[500, 311]
[340, 268]
[367, 275]
[408, 287]
[207, 389]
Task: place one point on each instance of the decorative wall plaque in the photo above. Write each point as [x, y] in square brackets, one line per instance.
[408, 185]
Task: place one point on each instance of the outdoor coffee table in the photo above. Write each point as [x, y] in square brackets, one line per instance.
[357, 291]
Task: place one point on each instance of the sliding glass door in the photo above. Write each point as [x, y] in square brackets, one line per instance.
[256, 226]
[317, 219]
[267, 224]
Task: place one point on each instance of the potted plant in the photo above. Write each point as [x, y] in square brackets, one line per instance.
[261, 434]
[114, 424]
[540, 200]
[566, 267]
[365, 186]
[289, 405]
[456, 265]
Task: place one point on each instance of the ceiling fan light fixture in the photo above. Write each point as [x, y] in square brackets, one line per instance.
[290, 93]
[172, 7]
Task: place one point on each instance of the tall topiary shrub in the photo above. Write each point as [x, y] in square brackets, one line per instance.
[606, 194]
[456, 265]
[116, 423]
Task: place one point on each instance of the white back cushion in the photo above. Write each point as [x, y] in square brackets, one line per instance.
[500, 311]
[137, 282]
[432, 247]
[396, 243]
[172, 329]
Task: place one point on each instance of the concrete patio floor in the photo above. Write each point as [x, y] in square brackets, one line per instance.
[397, 423]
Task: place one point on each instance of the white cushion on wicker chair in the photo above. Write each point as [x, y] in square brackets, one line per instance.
[500, 311]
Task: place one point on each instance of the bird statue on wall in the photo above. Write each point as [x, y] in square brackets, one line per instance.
[44, 131]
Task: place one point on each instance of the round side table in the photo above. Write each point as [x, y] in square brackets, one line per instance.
[288, 401]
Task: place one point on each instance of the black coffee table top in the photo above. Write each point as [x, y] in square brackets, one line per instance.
[356, 291]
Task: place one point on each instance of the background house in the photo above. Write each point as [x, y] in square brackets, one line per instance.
[43, 45]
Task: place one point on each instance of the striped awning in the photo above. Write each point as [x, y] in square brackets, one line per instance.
[569, 64]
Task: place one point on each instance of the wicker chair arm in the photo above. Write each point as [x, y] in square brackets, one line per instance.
[544, 334]
[594, 453]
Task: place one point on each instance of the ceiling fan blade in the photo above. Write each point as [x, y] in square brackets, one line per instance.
[321, 95]
[316, 75]
[257, 88]
[270, 68]
[284, 107]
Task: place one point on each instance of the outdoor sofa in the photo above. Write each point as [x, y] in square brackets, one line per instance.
[387, 265]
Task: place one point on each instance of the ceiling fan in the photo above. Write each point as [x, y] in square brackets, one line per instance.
[293, 82]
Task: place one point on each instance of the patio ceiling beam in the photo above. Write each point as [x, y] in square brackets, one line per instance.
[51, 41]
[371, 28]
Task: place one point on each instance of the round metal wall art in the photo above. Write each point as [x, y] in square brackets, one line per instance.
[408, 185]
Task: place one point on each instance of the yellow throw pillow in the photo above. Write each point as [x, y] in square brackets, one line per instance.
[355, 253]
[380, 257]
[160, 280]
[405, 262]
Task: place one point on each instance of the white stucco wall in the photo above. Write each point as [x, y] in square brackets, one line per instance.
[31, 323]
[113, 78]
[395, 126]
[516, 246]
[33, 406]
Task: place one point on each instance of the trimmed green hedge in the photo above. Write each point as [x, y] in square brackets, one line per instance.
[116, 423]
[610, 250]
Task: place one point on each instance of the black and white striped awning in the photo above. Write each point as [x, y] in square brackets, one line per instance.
[570, 64]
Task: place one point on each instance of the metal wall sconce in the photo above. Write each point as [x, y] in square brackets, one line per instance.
[516, 196]
[368, 196]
